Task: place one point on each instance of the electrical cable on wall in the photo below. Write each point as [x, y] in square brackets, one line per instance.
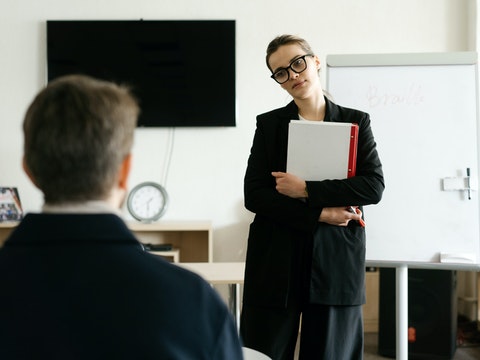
[168, 155]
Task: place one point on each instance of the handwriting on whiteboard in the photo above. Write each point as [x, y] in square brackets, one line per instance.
[410, 96]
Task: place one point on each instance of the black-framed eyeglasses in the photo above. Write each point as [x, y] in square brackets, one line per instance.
[298, 65]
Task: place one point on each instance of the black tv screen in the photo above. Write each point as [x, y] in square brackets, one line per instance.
[181, 71]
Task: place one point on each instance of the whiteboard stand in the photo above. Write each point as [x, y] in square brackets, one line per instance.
[401, 281]
[402, 92]
[401, 297]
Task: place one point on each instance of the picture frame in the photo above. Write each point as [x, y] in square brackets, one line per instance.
[10, 205]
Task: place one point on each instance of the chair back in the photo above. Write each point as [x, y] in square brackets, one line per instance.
[250, 354]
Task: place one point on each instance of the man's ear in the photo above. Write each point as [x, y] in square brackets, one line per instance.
[28, 172]
[124, 172]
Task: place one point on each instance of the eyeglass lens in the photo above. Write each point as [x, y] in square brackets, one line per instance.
[298, 65]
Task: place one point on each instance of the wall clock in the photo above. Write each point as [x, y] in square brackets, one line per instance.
[147, 201]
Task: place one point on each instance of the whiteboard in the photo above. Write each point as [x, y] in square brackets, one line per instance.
[424, 114]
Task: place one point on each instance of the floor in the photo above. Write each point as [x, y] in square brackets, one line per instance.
[468, 344]
[463, 352]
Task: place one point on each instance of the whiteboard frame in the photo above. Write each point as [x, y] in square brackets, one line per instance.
[414, 59]
[447, 58]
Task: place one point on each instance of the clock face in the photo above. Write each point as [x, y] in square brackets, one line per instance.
[147, 201]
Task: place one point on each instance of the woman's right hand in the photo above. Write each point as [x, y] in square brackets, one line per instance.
[339, 216]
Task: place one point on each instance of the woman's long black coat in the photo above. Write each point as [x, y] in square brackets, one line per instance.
[288, 249]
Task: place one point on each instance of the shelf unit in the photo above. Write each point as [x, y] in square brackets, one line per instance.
[191, 240]
[5, 229]
[170, 255]
[370, 309]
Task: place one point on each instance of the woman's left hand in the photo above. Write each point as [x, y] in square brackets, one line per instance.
[289, 184]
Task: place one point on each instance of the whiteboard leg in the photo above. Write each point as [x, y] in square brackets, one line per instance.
[402, 312]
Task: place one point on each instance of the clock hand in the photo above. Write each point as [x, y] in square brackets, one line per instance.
[148, 204]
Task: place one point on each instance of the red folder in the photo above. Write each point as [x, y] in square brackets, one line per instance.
[352, 154]
[319, 150]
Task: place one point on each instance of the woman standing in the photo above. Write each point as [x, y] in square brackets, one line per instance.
[306, 251]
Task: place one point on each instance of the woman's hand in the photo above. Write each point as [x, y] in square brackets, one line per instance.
[289, 184]
[339, 216]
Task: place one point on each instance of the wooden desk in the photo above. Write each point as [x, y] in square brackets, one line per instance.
[231, 273]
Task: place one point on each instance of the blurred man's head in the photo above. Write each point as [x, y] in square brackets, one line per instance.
[78, 137]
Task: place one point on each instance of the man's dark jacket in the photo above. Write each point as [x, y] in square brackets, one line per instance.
[82, 287]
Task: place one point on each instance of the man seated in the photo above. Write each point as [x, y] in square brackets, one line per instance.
[75, 282]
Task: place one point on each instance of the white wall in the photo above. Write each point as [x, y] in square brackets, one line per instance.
[206, 174]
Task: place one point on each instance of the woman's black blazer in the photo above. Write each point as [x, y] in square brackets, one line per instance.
[288, 249]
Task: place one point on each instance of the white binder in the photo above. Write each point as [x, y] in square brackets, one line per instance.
[319, 150]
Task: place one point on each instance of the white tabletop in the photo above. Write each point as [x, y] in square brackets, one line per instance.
[218, 272]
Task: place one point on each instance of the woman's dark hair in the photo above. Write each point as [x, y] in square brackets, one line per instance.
[286, 40]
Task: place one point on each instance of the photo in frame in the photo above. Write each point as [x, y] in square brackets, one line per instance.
[10, 205]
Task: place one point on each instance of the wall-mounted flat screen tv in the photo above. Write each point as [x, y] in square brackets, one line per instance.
[181, 71]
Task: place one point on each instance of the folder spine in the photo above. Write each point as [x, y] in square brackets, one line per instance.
[352, 156]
